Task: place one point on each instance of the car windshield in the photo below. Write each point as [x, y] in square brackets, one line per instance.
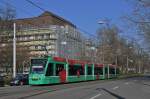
[18, 76]
[1, 78]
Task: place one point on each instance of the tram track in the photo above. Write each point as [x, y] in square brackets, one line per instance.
[34, 91]
[3, 94]
[17, 91]
[35, 94]
[24, 94]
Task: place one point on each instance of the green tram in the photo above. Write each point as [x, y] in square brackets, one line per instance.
[60, 70]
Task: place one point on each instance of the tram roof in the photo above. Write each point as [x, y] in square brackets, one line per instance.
[72, 61]
[99, 65]
[111, 65]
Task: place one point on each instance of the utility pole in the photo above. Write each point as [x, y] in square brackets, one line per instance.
[14, 51]
[116, 64]
[107, 25]
[127, 63]
[139, 62]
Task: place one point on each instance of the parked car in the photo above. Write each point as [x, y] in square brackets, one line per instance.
[1, 81]
[147, 74]
[20, 79]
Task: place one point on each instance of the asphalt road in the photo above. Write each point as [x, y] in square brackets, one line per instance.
[130, 88]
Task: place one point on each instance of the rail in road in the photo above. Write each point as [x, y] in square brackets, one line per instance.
[116, 89]
[30, 91]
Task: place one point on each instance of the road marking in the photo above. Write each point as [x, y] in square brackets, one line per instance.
[113, 81]
[115, 88]
[95, 96]
[135, 80]
[127, 83]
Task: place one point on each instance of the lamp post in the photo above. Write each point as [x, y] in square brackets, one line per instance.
[93, 49]
[104, 22]
[101, 22]
[64, 43]
[14, 50]
[128, 60]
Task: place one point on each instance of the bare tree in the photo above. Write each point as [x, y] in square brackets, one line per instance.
[108, 44]
[114, 49]
[7, 17]
[141, 18]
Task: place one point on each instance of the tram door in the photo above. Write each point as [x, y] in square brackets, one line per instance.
[61, 72]
[106, 72]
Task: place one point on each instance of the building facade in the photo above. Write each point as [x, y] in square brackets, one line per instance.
[47, 34]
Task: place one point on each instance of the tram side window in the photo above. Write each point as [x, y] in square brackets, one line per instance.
[89, 70]
[81, 70]
[49, 71]
[106, 70]
[117, 71]
[59, 67]
[98, 70]
[112, 71]
[73, 70]
[101, 71]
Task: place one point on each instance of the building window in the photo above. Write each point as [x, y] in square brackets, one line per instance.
[32, 47]
[31, 37]
[20, 38]
[39, 47]
[25, 38]
[36, 47]
[39, 37]
[3, 45]
[45, 36]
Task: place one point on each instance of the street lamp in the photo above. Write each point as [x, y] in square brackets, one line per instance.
[93, 49]
[128, 60]
[101, 22]
[14, 51]
[64, 43]
[104, 22]
[71, 49]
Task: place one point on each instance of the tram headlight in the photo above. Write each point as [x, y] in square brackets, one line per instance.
[36, 78]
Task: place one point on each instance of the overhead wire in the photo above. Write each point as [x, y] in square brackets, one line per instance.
[20, 9]
[42, 9]
[34, 4]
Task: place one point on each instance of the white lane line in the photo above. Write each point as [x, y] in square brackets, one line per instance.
[135, 80]
[113, 82]
[95, 96]
[115, 88]
[127, 83]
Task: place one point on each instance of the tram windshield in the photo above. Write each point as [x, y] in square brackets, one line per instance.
[38, 65]
[37, 69]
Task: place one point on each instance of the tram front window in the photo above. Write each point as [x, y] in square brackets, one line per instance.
[37, 69]
[38, 65]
